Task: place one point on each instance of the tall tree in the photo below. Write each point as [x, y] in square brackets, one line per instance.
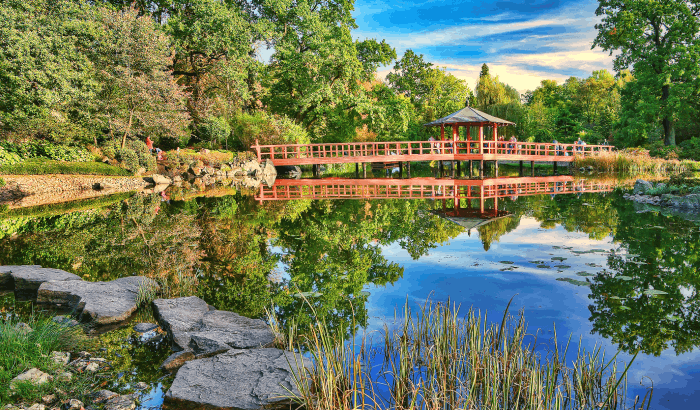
[659, 40]
[409, 75]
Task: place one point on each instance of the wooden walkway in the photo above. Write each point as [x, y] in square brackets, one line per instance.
[428, 188]
[402, 151]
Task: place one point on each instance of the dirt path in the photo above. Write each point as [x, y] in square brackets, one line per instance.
[30, 190]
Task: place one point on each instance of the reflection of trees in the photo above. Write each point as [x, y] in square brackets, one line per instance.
[668, 260]
[492, 231]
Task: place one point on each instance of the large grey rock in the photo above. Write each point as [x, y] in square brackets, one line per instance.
[194, 327]
[25, 280]
[641, 186]
[33, 376]
[161, 179]
[251, 167]
[100, 302]
[690, 201]
[237, 379]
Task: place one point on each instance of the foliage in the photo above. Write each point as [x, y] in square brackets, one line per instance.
[631, 162]
[45, 149]
[267, 129]
[41, 166]
[214, 130]
[133, 155]
[8, 158]
[661, 42]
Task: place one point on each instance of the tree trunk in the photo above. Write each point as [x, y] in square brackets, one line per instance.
[128, 128]
[669, 129]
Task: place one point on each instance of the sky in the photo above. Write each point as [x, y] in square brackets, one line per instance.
[523, 42]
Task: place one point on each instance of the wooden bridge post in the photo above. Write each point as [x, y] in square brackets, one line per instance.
[555, 167]
[521, 168]
[400, 169]
[257, 150]
[532, 168]
[459, 168]
[481, 168]
[495, 167]
[357, 170]
[408, 169]
[471, 168]
[453, 168]
[364, 170]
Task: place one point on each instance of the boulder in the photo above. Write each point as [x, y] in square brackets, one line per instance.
[641, 186]
[102, 396]
[33, 375]
[60, 358]
[25, 280]
[196, 171]
[251, 168]
[66, 321]
[145, 327]
[237, 379]
[193, 327]
[161, 179]
[250, 182]
[120, 403]
[99, 302]
[176, 360]
[690, 201]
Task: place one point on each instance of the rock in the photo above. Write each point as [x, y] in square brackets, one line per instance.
[33, 375]
[65, 377]
[61, 358]
[37, 407]
[183, 318]
[65, 320]
[251, 168]
[196, 171]
[120, 403]
[23, 328]
[141, 386]
[251, 182]
[237, 379]
[102, 396]
[177, 359]
[177, 178]
[92, 367]
[74, 404]
[690, 201]
[100, 302]
[160, 179]
[49, 399]
[100, 186]
[145, 327]
[25, 280]
[140, 171]
[641, 186]
[660, 186]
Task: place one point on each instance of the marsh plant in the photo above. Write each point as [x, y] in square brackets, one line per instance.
[436, 359]
[635, 161]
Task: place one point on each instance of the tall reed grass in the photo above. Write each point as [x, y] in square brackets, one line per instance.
[436, 359]
[635, 161]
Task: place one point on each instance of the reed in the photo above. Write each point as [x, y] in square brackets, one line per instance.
[436, 359]
[635, 161]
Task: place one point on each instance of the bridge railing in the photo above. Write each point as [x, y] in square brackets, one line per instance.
[358, 150]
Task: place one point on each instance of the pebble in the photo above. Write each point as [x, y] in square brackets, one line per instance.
[65, 377]
[61, 358]
[49, 399]
[74, 404]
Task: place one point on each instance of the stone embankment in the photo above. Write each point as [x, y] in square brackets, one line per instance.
[22, 191]
[646, 192]
[223, 360]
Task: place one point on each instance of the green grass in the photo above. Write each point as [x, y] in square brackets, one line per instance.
[2, 183]
[44, 211]
[436, 359]
[21, 351]
[42, 166]
[633, 162]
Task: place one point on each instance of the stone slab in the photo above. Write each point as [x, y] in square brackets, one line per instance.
[102, 303]
[26, 279]
[237, 380]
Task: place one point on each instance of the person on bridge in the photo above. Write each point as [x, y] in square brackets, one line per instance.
[558, 148]
[433, 145]
[580, 144]
[513, 144]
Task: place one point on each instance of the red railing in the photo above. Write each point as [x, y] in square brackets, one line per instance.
[299, 154]
[426, 188]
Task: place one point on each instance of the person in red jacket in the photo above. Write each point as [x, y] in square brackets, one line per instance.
[149, 144]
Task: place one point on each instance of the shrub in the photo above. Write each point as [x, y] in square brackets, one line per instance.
[56, 152]
[267, 129]
[690, 149]
[2, 183]
[214, 130]
[8, 158]
[133, 156]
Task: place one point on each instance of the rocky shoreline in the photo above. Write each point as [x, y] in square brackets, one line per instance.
[23, 191]
[223, 360]
[646, 192]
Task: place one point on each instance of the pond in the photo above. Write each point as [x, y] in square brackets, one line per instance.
[569, 252]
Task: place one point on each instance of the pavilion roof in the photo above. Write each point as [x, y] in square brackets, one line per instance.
[468, 115]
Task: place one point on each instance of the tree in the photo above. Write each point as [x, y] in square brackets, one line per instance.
[139, 94]
[660, 42]
[409, 76]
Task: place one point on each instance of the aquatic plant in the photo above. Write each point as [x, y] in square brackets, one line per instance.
[437, 359]
[634, 161]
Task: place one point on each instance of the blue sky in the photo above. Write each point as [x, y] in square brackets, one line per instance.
[522, 42]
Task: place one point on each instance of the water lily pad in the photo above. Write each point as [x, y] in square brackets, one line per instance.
[623, 277]
[556, 247]
[558, 258]
[507, 262]
[655, 292]
[624, 308]
[543, 266]
[598, 250]
[593, 265]
[510, 268]
[579, 252]
[583, 273]
[574, 281]
[562, 266]
[537, 262]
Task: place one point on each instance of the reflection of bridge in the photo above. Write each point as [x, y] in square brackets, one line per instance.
[428, 188]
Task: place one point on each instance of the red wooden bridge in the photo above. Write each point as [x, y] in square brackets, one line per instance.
[428, 188]
[442, 150]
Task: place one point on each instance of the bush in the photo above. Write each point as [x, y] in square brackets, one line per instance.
[134, 155]
[56, 152]
[268, 129]
[43, 166]
[690, 149]
[214, 130]
[659, 150]
[8, 158]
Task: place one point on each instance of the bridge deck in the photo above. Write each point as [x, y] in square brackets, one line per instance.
[337, 153]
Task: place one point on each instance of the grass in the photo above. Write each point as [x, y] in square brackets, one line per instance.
[434, 359]
[2, 183]
[21, 351]
[44, 211]
[634, 162]
[42, 166]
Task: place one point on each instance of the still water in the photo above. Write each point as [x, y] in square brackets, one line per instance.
[569, 252]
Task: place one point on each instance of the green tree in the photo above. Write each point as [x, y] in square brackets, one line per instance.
[660, 42]
[409, 76]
